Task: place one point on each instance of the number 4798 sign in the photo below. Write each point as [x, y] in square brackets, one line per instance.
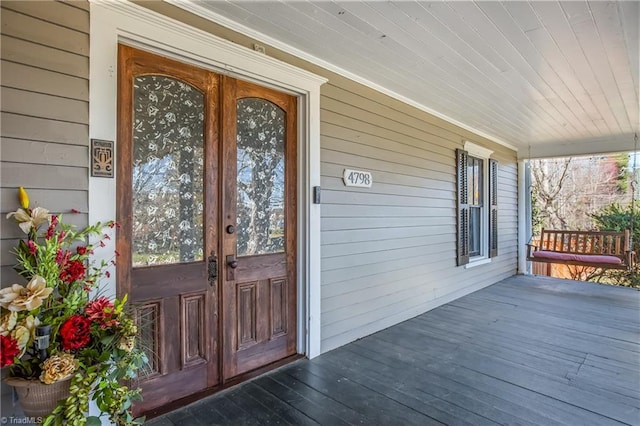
[357, 178]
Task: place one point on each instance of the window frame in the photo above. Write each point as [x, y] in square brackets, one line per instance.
[488, 209]
[480, 205]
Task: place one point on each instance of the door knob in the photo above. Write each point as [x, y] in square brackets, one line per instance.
[232, 262]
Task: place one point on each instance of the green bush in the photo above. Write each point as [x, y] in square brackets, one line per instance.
[614, 217]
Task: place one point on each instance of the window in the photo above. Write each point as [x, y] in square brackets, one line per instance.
[475, 190]
[477, 212]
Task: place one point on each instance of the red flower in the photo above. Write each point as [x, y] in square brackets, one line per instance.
[62, 256]
[32, 247]
[75, 332]
[101, 311]
[52, 226]
[75, 211]
[8, 350]
[74, 270]
[81, 250]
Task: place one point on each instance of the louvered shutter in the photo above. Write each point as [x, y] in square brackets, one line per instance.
[463, 207]
[493, 208]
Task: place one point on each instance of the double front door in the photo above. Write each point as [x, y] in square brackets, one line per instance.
[206, 204]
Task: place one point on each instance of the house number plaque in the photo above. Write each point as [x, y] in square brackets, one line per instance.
[357, 178]
[101, 158]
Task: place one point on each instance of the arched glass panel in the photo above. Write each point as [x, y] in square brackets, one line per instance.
[168, 151]
[261, 203]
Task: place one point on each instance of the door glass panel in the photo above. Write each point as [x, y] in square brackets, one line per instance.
[168, 145]
[260, 142]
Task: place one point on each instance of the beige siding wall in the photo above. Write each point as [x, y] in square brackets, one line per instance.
[389, 252]
[45, 112]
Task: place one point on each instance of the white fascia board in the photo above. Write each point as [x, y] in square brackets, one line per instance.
[592, 146]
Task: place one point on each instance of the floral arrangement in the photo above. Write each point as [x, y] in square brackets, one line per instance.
[58, 326]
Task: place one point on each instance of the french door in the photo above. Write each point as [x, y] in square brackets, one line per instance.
[207, 211]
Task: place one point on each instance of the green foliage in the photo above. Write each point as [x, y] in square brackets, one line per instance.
[614, 217]
[536, 217]
[624, 174]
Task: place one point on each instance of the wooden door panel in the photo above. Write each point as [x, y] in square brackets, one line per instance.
[259, 295]
[247, 297]
[194, 328]
[168, 211]
[266, 265]
[279, 307]
[160, 281]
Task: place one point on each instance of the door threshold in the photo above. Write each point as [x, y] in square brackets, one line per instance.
[242, 378]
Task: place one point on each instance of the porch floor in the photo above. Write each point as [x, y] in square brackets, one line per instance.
[527, 350]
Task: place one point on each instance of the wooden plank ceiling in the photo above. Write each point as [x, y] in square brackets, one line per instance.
[561, 77]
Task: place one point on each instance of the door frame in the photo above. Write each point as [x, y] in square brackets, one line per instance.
[127, 23]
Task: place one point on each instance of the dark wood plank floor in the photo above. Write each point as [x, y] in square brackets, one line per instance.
[525, 351]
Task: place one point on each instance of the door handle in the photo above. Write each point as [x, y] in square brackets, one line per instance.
[232, 262]
[212, 268]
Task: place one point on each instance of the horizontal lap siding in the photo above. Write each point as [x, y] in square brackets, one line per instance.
[389, 251]
[45, 112]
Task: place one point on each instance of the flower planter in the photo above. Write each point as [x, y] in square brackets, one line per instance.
[36, 398]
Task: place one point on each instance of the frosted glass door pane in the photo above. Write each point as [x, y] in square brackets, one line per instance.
[168, 144]
[260, 142]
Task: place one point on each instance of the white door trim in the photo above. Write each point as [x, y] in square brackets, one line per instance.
[114, 22]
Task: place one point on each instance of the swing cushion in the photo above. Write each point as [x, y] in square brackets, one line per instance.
[586, 258]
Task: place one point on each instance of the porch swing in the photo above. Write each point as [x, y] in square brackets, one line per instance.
[598, 249]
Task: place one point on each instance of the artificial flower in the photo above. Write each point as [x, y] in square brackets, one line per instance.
[33, 249]
[24, 332]
[23, 197]
[22, 336]
[27, 221]
[8, 350]
[18, 298]
[62, 256]
[75, 332]
[86, 338]
[53, 223]
[127, 344]
[101, 311]
[7, 323]
[73, 271]
[58, 367]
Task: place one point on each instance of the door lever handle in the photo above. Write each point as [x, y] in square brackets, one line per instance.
[212, 268]
[232, 262]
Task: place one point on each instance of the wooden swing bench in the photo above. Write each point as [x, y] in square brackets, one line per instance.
[598, 249]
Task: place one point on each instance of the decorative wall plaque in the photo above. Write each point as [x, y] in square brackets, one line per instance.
[101, 158]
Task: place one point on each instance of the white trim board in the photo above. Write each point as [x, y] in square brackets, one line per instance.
[203, 12]
[114, 22]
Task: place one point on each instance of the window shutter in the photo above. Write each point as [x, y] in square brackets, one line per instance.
[463, 207]
[493, 208]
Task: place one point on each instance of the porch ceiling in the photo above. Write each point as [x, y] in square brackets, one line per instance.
[559, 76]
